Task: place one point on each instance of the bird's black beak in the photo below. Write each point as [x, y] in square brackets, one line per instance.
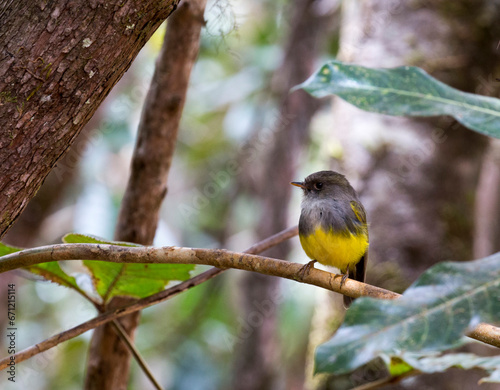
[298, 184]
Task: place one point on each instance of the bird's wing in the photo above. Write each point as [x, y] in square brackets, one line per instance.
[359, 210]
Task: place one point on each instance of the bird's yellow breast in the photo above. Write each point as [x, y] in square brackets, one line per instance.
[335, 249]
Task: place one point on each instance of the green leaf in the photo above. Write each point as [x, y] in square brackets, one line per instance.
[7, 250]
[53, 272]
[397, 367]
[406, 91]
[136, 280]
[50, 271]
[466, 361]
[432, 315]
[77, 238]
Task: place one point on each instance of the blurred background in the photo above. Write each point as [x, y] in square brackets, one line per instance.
[430, 187]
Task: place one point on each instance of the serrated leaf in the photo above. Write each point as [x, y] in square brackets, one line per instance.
[466, 361]
[432, 315]
[77, 238]
[53, 272]
[404, 91]
[50, 271]
[136, 280]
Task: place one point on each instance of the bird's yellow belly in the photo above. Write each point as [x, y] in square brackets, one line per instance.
[333, 249]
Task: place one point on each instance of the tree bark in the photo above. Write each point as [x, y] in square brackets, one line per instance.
[58, 61]
[109, 359]
[28, 230]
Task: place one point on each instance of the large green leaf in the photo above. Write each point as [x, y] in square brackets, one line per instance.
[137, 280]
[432, 315]
[406, 91]
[50, 271]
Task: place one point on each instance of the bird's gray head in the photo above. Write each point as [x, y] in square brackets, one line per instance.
[326, 185]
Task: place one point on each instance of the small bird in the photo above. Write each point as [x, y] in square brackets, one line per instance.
[332, 226]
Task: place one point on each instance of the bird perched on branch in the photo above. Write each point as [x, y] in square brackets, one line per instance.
[332, 227]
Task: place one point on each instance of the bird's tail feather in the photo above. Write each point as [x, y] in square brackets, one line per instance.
[357, 273]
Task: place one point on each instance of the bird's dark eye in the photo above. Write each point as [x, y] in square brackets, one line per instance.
[318, 186]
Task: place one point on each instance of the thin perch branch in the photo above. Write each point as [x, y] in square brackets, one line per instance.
[140, 360]
[483, 332]
[176, 255]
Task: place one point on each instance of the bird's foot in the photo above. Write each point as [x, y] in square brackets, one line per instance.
[344, 277]
[305, 269]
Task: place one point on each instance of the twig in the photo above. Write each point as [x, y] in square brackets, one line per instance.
[274, 240]
[122, 333]
[486, 333]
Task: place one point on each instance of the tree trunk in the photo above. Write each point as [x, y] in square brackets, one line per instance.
[28, 230]
[58, 61]
[109, 360]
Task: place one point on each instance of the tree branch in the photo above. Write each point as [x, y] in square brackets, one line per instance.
[176, 255]
[483, 332]
[122, 333]
[143, 303]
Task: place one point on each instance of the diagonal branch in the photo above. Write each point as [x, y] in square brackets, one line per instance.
[140, 360]
[143, 303]
[483, 332]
